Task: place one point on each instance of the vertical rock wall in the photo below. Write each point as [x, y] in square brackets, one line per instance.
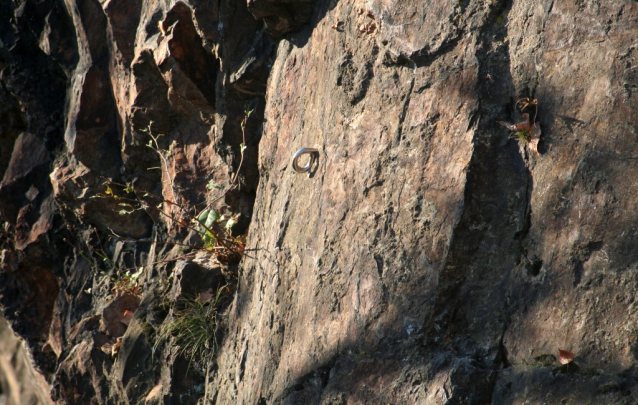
[426, 258]
[430, 259]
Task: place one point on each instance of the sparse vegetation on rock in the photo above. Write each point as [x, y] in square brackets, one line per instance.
[425, 259]
[193, 327]
[527, 132]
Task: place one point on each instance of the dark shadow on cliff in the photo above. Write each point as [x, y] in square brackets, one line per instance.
[470, 313]
[322, 7]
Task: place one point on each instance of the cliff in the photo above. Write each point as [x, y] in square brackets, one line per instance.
[433, 254]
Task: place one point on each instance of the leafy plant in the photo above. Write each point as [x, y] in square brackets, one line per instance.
[212, 184]
[127, 283]
[523, 135]
[205, 222]
[526, 132]
[214, 229]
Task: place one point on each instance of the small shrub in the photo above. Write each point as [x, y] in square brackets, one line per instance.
[527, 132]
[215, 229]
[522, 135]
[127, 283]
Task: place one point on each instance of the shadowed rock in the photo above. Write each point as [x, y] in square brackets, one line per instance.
[428, 258]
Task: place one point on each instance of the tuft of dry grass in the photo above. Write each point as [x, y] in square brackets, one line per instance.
[193, 328]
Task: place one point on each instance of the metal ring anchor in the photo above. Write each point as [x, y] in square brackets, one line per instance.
[314, 154]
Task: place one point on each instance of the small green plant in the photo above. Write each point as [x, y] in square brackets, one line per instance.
[213, 185]
[205, 222]
[215, 229]
[127, 283]
[193, 328]
[522, 135]
[125, 280]
[527, 132]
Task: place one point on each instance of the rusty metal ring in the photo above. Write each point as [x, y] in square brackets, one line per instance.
[314, 154]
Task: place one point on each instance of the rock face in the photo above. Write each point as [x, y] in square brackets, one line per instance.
[426, 258]
[20, 384]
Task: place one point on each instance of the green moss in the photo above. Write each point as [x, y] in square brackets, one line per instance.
[522, 135]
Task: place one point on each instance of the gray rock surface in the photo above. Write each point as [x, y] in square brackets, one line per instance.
[427, 258]
[20, 383]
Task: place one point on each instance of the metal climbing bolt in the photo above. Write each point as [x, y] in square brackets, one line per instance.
[314, 154]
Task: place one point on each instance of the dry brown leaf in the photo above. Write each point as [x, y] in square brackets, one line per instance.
[127, 316]
[116, 347]
[526, 102]
[112, 347]
[521, 126]
[565, 356]
[107, 348]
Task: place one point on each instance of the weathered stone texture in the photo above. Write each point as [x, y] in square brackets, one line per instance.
[427, 258]
[424, 233]
[20, 383]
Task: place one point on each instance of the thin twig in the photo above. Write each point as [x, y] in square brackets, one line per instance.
[241, 161]
[161, 155]
[144, 205]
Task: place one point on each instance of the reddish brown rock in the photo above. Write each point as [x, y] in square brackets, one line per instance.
[426, 258]
[17, 188]
[114, 319]
[282, 17]
[424, 231]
